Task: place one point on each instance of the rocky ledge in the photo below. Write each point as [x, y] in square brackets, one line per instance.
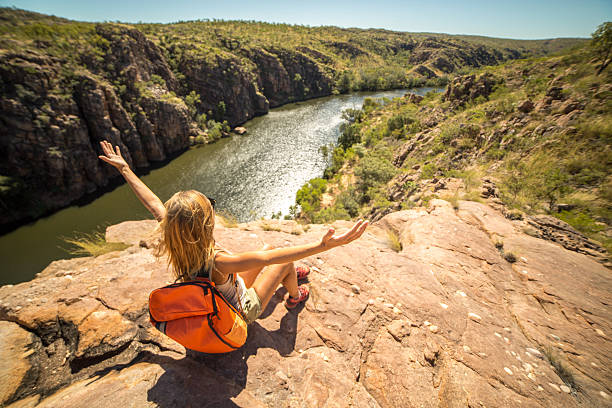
[423, 310]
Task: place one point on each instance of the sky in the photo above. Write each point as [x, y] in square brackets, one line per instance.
[522, 19]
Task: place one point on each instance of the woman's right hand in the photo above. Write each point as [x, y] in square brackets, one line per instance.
[330, 240]
[113, 158]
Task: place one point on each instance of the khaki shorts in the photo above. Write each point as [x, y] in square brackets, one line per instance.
[251, 306]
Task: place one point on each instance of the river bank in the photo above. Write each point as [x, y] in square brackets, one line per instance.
[250, 176]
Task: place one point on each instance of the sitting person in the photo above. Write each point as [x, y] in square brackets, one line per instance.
[247, 280]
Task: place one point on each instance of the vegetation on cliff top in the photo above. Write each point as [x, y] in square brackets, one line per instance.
[156, 89]
[540, 129]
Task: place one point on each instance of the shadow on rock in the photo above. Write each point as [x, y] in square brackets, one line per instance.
[218, 380]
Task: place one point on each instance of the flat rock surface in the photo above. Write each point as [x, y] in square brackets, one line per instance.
[446, 321]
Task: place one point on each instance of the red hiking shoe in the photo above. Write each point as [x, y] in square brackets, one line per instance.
[302, 271]
[291, 303]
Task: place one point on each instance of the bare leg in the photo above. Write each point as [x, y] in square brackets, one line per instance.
[267, 282]
[249, 276]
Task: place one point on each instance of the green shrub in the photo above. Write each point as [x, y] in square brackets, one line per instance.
[157, 80]
[192, 101]
[583, 222]
[309, 196]
[428, 171]
[374, 170]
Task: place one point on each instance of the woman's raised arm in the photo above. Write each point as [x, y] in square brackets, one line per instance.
[144, 193]
[234, 263]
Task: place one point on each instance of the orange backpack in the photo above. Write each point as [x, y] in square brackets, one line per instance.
[196, 315]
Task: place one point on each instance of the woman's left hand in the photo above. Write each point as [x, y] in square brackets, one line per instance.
[330, 240]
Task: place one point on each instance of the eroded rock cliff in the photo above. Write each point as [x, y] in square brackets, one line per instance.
[445, 321]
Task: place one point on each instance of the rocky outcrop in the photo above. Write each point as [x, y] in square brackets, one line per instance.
[554, 229]
[444, 320]
[469, 87]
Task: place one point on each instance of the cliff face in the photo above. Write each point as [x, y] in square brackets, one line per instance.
[443, 320]
[66, 85]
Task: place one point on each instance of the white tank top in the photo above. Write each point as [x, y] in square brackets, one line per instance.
[233, 292]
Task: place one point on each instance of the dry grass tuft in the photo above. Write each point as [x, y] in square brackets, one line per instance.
[227, 219]
[560, 368]
[93, 244]
[267, 226]
[393, 240]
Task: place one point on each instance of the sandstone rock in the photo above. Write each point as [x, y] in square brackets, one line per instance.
[555, 92]
[92, 343]
[526, 106]
[16, 345]
[413, 98]
[561, 232]
[239, 130]
[569, 106]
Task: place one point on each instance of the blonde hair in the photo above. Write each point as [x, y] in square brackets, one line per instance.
[187, 234]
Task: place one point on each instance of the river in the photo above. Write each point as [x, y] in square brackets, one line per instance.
[250, 176]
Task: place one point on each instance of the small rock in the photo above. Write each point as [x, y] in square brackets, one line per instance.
[282, 376]
[466, 349]
[533, 351]
[389, 305]
[356, 290]
[474, 317]
[396, 310]
[531, 376]
[443, 305]
[507, 340]
[600, 332]
[433, 329]
[461, 293]
[498, 335]
[426, 323]
[603, 394]
[371, 301]
[540, 388]
[325, 358]
[526, 106]
[506, 369]
[399, 329]
[239, 130]
[565, 389]
[555, 387]
[555, 337]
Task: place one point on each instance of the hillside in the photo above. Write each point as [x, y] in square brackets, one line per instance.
[531, 137]
[436, 317]
[157, 89]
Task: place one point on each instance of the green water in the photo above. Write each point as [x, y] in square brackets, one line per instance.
[250, 176]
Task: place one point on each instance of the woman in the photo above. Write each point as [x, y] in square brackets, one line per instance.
[247, 280]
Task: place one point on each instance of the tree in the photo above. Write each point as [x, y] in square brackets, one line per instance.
[602, 44]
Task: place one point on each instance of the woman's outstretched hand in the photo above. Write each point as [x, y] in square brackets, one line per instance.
[113, 158]
[330, 240]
